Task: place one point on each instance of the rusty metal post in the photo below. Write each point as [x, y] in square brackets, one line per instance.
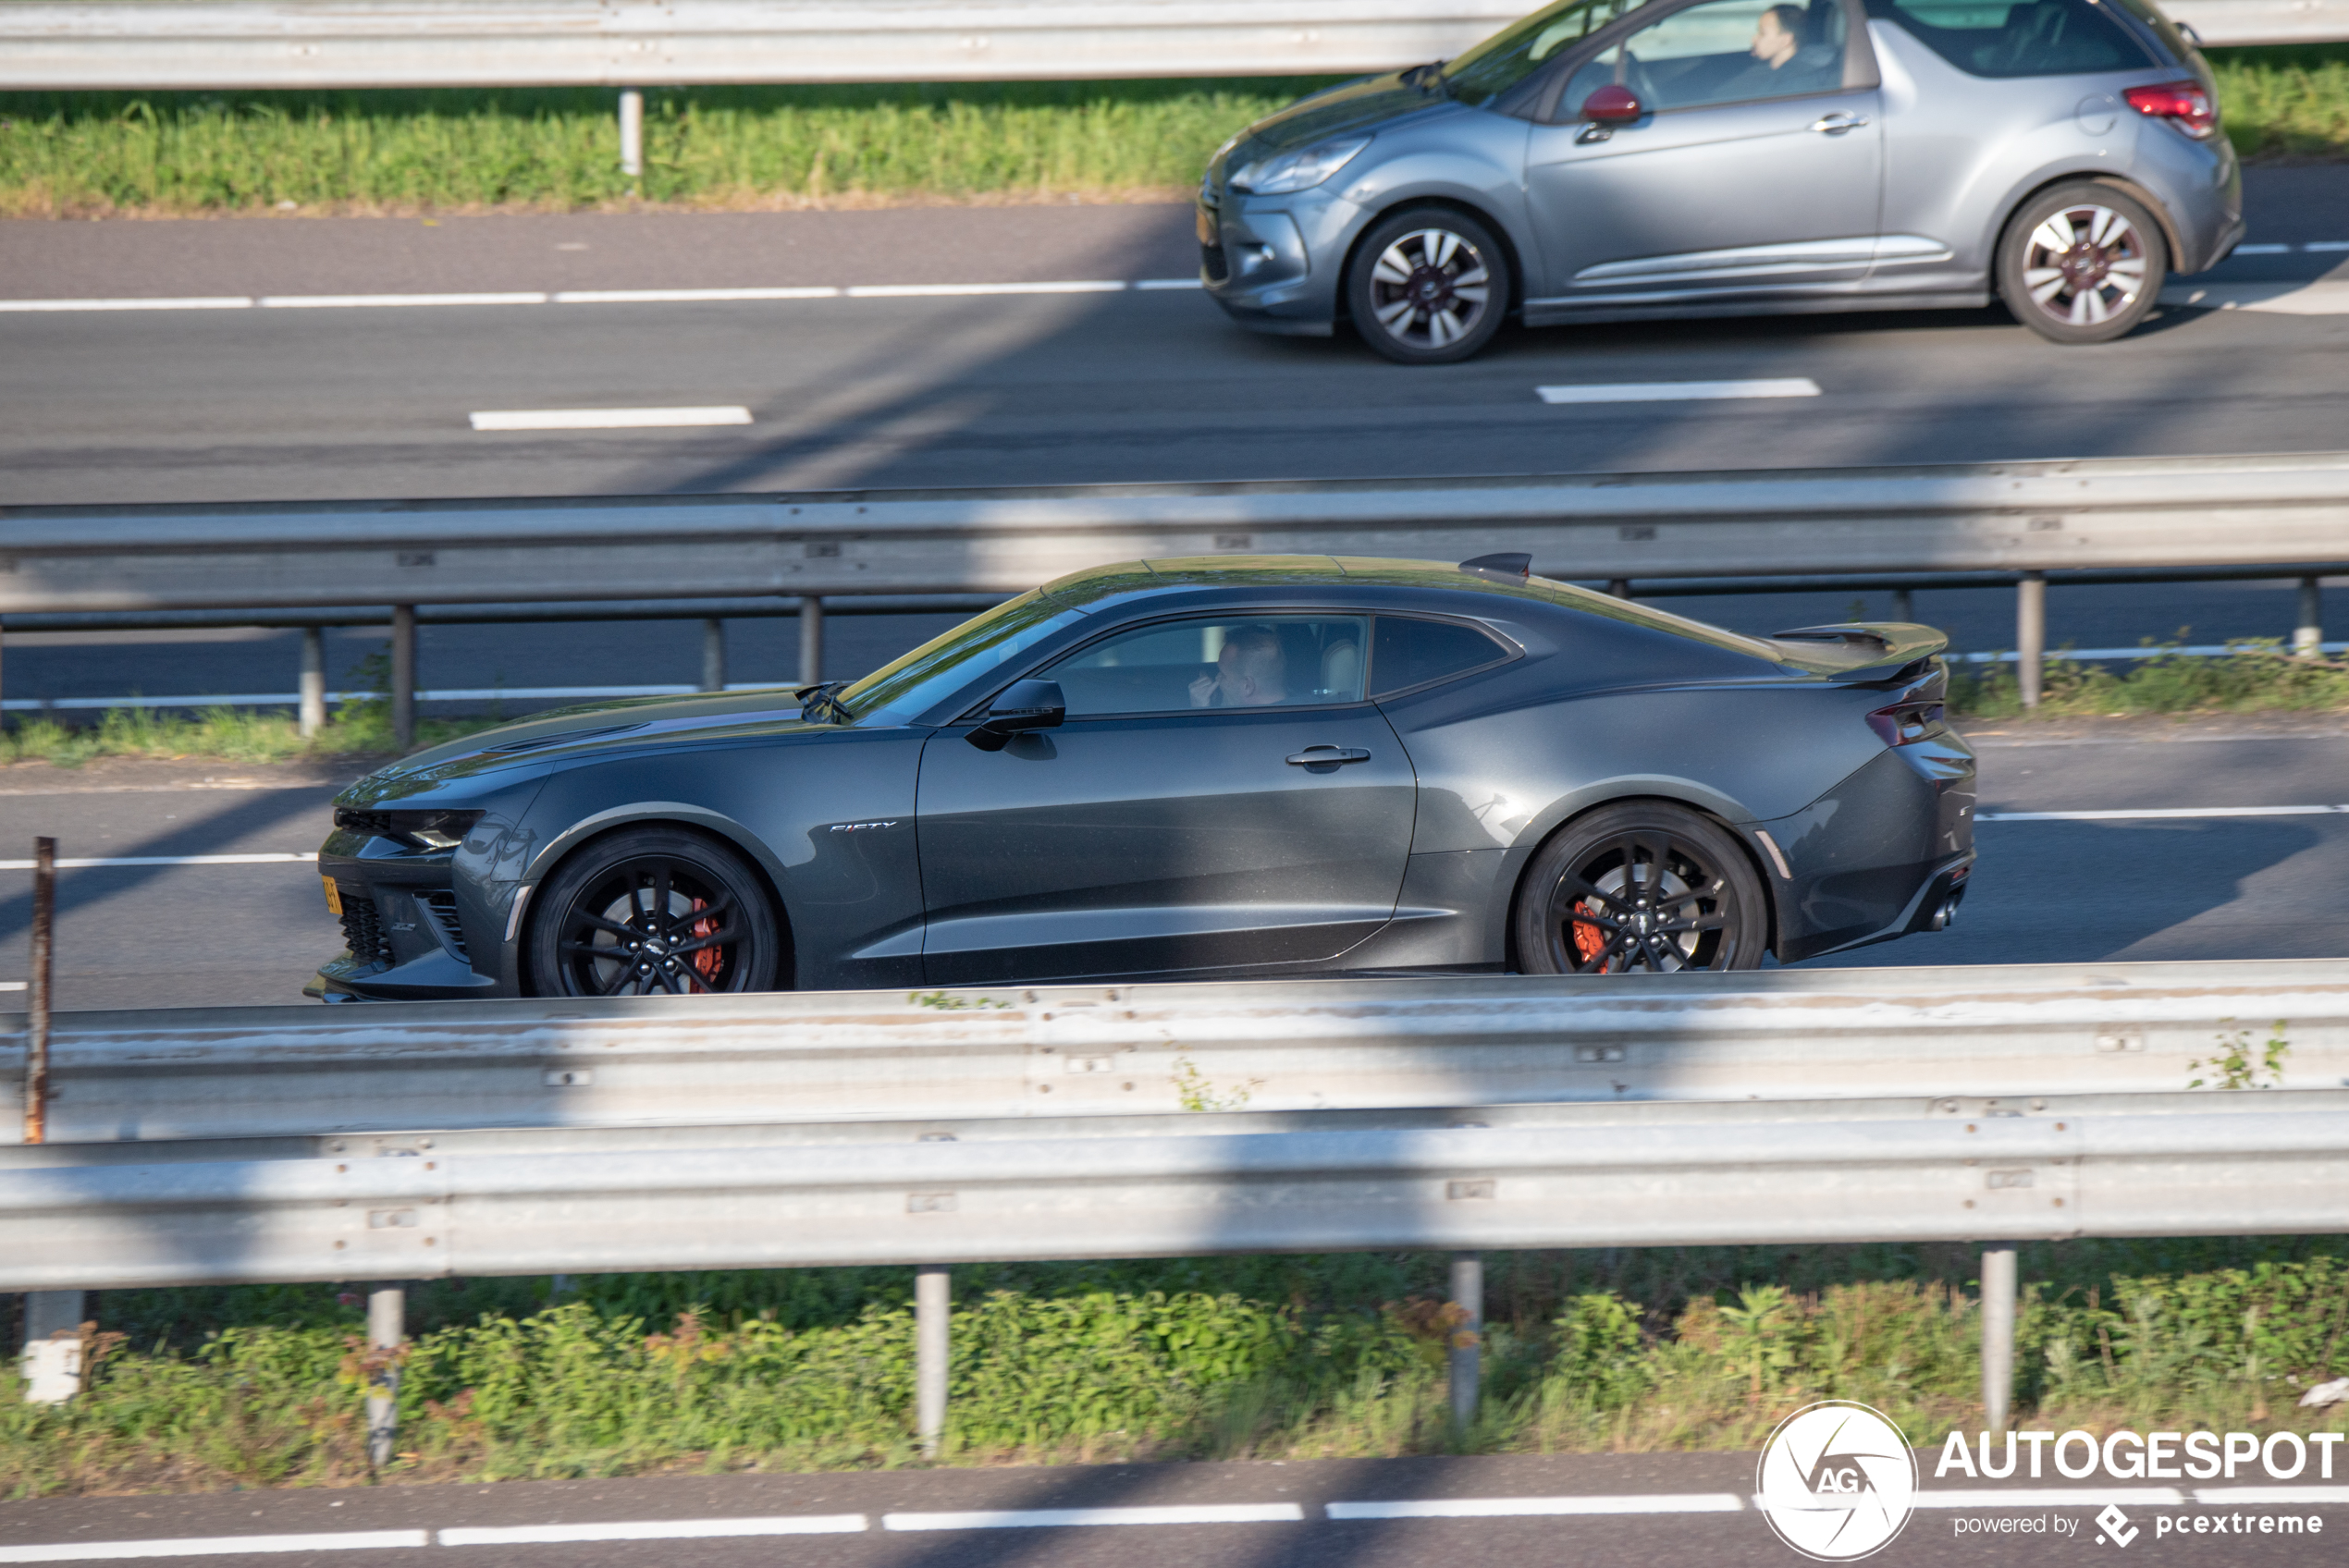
[36, 1055]
[2030, 635]
[386, 1327]
[403, 676]
[1467, 1342]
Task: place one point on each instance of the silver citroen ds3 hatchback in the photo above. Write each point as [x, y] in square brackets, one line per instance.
[1606, 160]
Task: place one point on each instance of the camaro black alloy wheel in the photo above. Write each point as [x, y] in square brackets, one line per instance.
[653, 911]
[1646, 885]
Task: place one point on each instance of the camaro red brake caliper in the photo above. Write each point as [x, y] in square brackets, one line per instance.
[1588, 940]
[707, 960]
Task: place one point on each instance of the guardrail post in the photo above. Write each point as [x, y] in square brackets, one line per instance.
[403, 676]
[1466, 1351]
[1904, 604]
[933, 1309]
[811, 640]
[386, 1327]
[713, 655]
[2308, 637]
[1620, 587]
[632, 132]
[2030, 634]
[52, 1375]
[1998, 1333]
[37, 1000]
[313, 681]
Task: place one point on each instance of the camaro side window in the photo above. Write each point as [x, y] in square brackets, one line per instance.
[1727, 52]
[1411, 653]
[1225, 662]
[2035, 38]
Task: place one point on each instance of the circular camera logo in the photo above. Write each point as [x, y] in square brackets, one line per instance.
[1837, 1481]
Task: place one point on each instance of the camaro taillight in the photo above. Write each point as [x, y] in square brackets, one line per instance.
[2182, 104]
[1904, 724]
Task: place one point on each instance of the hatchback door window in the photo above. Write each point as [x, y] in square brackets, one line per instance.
[2035, 38]
[1724, 52]
[1224, 662]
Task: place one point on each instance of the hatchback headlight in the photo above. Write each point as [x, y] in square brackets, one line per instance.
[1300, 170]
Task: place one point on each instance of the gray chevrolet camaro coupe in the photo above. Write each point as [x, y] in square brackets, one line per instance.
[1234, 766]
[1610, 160]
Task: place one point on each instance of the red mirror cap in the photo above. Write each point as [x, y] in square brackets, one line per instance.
[1612, 105]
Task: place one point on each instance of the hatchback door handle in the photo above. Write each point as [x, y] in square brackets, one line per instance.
[1323, 756]
[1835, 124]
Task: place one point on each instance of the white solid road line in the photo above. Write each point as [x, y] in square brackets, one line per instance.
[2137, 813]
[2051, 1497]
[1514, 1507]
[438, 694]
[1680, 391]
[609, 418]
[656, 1530]
[2324, 297]
[215, 1546]
[1056, 1518]
[12, 985]
[281, 857]
[601, 296]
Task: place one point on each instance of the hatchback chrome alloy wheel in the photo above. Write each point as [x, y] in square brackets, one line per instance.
[1430, 288]
[2084, 265]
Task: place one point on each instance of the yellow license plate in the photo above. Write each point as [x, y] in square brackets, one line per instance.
[334, 897]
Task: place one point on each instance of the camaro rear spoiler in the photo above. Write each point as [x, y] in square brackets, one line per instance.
[1864, 650]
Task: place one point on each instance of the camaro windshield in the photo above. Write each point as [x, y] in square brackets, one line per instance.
[896, 692]
[1524, 47]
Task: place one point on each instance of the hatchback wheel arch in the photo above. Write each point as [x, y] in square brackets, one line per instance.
[1409, 272]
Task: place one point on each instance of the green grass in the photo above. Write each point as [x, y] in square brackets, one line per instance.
[2257, 677]
[1301, 1357]
[91, 153]
[181, 152]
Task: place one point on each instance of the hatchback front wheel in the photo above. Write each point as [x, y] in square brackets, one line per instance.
[1427, 285]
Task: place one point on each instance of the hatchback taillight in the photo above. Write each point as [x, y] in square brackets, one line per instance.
[2182, 104]
[1904, 724]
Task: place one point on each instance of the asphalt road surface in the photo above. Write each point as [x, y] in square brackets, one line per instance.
[2214, 884]
[889, 390]
[1657, 1511]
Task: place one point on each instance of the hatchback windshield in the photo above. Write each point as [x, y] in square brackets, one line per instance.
[1518, 51]
[899, 691]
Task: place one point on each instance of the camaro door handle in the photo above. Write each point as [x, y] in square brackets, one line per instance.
[1326, 754]
[1835, 124]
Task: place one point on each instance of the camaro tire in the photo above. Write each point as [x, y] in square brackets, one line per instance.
[1645, 885]
[1427, 285]
[649, 912]
[2083, 263]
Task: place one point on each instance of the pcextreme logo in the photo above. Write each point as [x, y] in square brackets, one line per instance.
[1837, 1481]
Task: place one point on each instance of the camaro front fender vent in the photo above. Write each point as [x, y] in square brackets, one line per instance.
[442, 908]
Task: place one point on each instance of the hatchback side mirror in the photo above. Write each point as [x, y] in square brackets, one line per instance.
[1023, 706]
[1612, 105]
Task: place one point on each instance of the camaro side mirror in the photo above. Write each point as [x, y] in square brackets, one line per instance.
[1024, 705]
[1612, 105]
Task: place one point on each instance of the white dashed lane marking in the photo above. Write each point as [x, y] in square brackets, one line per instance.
[1679, 391]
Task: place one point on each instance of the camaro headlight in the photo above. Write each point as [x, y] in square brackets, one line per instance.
[1300, 170]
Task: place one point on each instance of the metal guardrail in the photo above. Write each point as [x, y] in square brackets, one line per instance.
[326, 43]
[2103, 519]
[1927, 1036]
[242, 1146]
[2033, 516]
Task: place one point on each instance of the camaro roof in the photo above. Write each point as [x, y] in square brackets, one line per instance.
[1093, 583]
